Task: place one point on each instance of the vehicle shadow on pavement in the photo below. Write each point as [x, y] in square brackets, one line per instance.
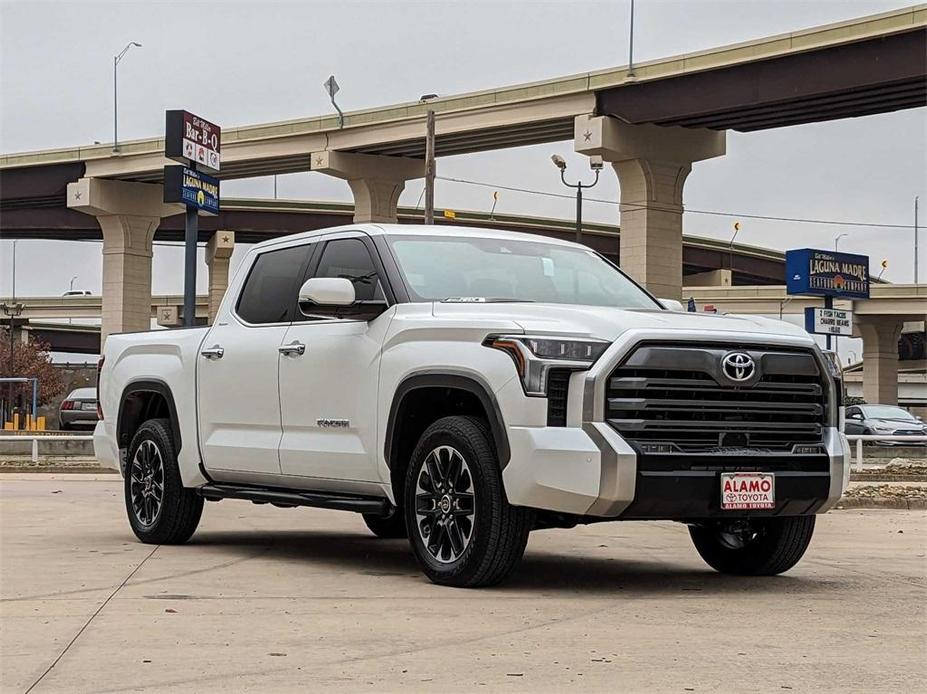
[542, 571]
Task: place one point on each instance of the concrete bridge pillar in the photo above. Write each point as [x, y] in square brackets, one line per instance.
[880, 357]
[376, 181]
[129, 215]
[218, 254]
[652, 164]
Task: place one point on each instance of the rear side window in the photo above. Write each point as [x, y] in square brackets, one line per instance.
[350, 259]
[269, 294]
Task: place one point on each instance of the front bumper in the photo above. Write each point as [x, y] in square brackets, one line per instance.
[588, 469]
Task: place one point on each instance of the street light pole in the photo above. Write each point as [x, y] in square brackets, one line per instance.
[596, 164]
[915, 238]
[837, 240]
[116, 59]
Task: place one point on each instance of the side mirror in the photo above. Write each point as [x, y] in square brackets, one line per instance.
[327, 291]
[672, 305]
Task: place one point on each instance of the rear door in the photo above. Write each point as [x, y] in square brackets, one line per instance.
[239, 403]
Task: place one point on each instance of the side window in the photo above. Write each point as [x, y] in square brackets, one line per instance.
[349, 258]
[270, 291]
[852, 411]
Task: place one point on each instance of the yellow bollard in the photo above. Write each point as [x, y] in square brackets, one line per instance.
[16, 421]
[40, 423]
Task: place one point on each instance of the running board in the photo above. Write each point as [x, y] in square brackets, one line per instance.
[289, 497]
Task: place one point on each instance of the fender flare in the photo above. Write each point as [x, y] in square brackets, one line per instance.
[151, 386]
[444, 378]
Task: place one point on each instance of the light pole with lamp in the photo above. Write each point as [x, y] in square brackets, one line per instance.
[837, 241]
[595, 163]
[116, 59]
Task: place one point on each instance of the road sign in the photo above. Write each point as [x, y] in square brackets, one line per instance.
[827, 273]
[331, 86]
[192, 188]
[190, 139]
[828, 321]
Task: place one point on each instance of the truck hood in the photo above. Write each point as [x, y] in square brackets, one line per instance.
[608, 323]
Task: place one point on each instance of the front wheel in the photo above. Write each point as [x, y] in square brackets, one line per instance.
[462, 528]
[757, 547]
[161, 510]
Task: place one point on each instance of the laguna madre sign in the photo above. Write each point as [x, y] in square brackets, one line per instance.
[192, 188]
[194, 142]
[830, 274]
[827, 273]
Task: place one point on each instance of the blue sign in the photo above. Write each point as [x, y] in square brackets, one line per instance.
[827, 273]
[192, 188]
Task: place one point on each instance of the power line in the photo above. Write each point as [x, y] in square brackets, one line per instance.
[688, 210]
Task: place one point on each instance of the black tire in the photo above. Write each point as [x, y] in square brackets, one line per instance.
[64, 427]
[774, 546]
[498, 532]
[389, 527]
[179, 509]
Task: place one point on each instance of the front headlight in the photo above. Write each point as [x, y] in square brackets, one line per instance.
[536, 355]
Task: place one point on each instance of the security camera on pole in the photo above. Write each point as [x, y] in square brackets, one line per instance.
[195, 143]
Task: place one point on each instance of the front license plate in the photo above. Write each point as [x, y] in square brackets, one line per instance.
[747, 490]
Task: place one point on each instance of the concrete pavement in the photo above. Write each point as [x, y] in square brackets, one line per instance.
[281, 600]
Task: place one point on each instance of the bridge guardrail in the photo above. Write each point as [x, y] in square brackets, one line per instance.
[859, 438]
[35, 438]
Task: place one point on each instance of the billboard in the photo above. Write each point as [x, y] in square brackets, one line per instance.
[827, 273]
[190, 139]
[192, 188]
[828, 321]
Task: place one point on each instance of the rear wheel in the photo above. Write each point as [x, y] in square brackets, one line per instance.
[160, 509]
[758, 547]
[462, 529]
[387, 527]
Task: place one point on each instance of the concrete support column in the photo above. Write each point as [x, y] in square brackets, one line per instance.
[376, 181]
[129, 215]
[218, 254]
[880, 357]
[127, 251]
[652, 164]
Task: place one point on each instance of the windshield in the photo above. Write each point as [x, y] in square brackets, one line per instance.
[887, 412]
[486, 269]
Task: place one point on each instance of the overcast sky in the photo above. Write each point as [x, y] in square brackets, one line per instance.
[250, 62]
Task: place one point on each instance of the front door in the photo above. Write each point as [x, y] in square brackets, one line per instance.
[237, 370]
[329, 378]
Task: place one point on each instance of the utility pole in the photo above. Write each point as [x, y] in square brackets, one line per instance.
[631, 44]
[915, 240]
[430, 168]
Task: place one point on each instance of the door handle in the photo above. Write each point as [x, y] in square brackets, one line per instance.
[214, 352]
[297, 348]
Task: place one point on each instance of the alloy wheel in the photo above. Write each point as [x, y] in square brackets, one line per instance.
[444, 504]
[147, 482]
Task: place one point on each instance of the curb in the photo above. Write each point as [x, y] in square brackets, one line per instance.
[886, 477]
[888, 502]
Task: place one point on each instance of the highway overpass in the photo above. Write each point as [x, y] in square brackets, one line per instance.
[652, 126]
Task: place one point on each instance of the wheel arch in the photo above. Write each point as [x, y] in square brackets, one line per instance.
[142, 400]
[470, 384]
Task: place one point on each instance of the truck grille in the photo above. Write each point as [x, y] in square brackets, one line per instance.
[680, 397]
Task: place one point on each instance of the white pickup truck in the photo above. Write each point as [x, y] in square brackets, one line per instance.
[464, 387]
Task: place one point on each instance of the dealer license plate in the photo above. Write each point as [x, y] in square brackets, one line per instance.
[89, 406]
[747, 490]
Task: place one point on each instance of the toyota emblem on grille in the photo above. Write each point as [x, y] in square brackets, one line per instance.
[738, 366]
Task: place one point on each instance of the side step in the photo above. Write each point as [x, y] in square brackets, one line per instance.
[290, 497]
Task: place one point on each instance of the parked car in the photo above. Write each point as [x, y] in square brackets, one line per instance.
[463, 387]
[883, 419]
[78, 410]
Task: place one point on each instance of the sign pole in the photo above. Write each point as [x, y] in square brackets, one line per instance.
[828, 303]
[191, 233]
